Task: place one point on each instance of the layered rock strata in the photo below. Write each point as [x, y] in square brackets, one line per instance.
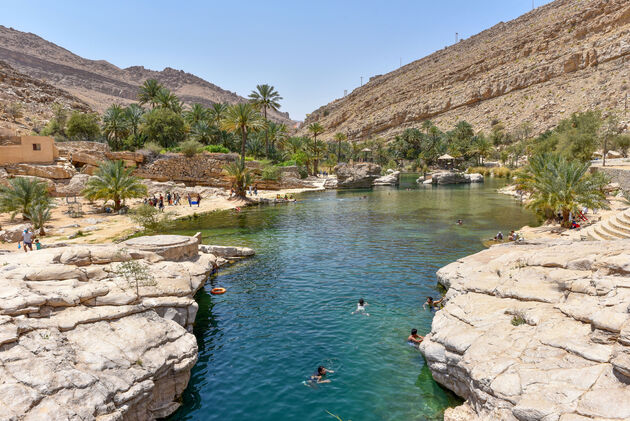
[566, 56]
[536, 331]
[355, 176]
[98, 332]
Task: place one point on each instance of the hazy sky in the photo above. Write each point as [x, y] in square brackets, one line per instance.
[310, 51]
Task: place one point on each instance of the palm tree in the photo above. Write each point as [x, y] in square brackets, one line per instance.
[22, 194]
[315, 129]
[39, 215]
[340, 137]
[277, 133]
[255, 147]
[294, 144]
[265, 97]
[134, 114]
[149, 92]
[202, 131]
[196, 114]
[480, 147]
[241, 176]
[166, 99]
[242, 118]
[559, 185]
[113, 181]
[426, 126]
[115, 125]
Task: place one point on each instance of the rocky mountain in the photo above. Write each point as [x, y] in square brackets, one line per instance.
[100, 83]
[35, 99]
[567, 56]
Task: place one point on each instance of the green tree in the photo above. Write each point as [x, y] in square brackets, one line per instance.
[276, 133]
[481, 148]
[578, 136]
[294, 144]
[202, 131]
[265, 97]
[241, 119]
[22, 194]
[115, 126]
[339, 138]
[164, 126]
[15, 110]
[149, 92]
[83, 126]
[240, 175]
[196, 114]
[39, 214]
[190, 148]
[112, 181]
[315, 129]
[133, 114]
[168, 100]
[57, 124]
[609, 130]
[151, 219]
[622, 144]
[560, 185]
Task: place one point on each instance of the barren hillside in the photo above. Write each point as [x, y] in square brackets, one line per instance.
[35, 98]
[100, 83]
[567, 56]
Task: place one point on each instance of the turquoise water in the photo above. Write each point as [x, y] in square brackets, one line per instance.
[288, 310]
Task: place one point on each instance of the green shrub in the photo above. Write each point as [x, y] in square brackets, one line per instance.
[502, 172]
[303, 171]
[190, 148]
[476, 170]
[216, 149]
[518, 320]
[271, 173]
[288, 163]
[151, 218]
[153, 147]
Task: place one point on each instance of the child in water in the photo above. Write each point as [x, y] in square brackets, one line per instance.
[317, 377]
[433, 305]
[361, 308]
[414, 338]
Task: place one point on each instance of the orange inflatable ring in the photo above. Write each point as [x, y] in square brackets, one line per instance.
[218, 291]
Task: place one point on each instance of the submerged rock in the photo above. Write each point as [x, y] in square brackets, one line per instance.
[536, 331]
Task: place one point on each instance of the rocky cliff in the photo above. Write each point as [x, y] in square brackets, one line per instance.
[566, 56]
[536, 331]
[35, 97]
[85, 334]
[100, 83]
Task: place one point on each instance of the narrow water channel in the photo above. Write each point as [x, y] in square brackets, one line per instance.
[288, 310]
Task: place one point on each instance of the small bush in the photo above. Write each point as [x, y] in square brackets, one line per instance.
[151, 218]
[153, 148]
[270, 173]
[216, 149]
[303, 171]
[190, 148]
[518, 318]
[502, 172]
[476, 170]
[288, 163]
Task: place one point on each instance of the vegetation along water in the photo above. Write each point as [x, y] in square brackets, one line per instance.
[288, 310]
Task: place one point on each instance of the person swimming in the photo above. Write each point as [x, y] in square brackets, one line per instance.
[460, 222]
[318, 376]
[431, 303]
[361, 307]
[414, 338]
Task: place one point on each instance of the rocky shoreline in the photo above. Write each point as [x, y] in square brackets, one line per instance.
[536, 331]
[100, 331]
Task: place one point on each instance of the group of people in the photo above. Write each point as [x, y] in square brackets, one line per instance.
[514, 236]
[28, 239]
[286, 197]
[413, 339]
[173, 199]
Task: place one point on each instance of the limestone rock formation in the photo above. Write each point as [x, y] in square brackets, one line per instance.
[453, 177]
[355, 176]
[53, 171]
[97, 332]
[536, 331]
[390, 179]
[100, 83]
[566, 56]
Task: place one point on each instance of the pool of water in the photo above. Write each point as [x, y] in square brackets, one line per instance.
[288, 310]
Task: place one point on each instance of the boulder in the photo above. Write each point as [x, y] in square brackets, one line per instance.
[390, 179]
[42, 171]
[474, 178]
[74, 187]
[224, 251]
[87, 158]
[330, 183]
[13, 234]
[128, 156]
[449, 177]
[359, 175]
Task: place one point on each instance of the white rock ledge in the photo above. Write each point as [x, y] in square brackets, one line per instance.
[77, 342]
[566, 357]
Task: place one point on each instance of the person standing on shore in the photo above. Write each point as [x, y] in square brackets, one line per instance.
[27, 240]
[198, 199]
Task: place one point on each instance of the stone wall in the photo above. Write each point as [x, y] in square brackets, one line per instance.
[617, 175]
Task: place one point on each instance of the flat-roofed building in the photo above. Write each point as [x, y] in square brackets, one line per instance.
[26, 149]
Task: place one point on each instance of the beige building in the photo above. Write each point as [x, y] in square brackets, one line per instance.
[26, 149]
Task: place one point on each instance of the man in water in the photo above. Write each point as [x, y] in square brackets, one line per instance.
[361, 308]
[317, 377]
[414, 338]
[460, 222]
[432, 304]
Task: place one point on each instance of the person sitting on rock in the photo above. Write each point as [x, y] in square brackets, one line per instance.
[414, 338]
[432, 304]
[499, 236]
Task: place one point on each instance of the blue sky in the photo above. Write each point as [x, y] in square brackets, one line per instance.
[310, 51]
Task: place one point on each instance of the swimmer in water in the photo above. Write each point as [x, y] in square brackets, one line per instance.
[460, 222]
[432, 304]
[414, 338]
[317, 377]
[361, 307]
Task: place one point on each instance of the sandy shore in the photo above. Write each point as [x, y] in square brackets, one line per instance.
[98, 227]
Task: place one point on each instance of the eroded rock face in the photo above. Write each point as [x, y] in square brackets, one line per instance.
[390, 179]
[355, 176]
[536, 331]
[80, 340]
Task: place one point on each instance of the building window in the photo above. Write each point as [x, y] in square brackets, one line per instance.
[37, 147]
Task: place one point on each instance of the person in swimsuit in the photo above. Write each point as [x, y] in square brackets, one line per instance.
[317, 377]
[414, 338]
[432, 304]
[361, 307]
